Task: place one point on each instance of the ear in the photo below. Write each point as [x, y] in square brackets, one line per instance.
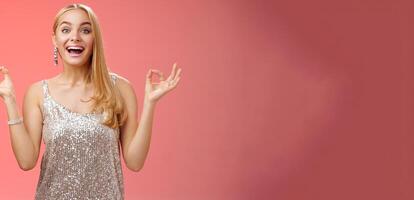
[54, 39]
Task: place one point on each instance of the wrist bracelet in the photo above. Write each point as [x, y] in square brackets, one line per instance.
[15, 121]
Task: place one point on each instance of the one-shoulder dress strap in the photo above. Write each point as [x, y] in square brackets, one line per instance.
[45, 89]
[113, 78]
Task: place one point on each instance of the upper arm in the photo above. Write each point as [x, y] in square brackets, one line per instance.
[32, 114]
[129, 128]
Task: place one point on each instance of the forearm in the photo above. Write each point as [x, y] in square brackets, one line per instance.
[21, 142]
[139, 146]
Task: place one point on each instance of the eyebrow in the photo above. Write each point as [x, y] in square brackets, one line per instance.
[83, 23]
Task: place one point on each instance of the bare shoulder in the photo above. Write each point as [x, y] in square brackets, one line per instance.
[35, 92]
[35, 89]
[124, 85]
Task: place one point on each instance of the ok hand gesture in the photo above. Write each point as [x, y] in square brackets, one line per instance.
[154, 91]
[6, 85]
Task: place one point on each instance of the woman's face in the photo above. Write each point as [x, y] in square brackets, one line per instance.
[74, 38]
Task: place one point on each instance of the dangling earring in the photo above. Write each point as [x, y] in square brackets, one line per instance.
[55, 56]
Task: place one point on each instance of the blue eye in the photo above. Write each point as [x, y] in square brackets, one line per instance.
[87, 31]
[65, 30]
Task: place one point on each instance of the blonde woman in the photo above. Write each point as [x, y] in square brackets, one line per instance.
[85, 116]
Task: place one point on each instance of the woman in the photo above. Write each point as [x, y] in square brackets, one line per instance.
[82, 114]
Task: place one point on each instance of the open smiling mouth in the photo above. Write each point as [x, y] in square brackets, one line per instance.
[75, 50]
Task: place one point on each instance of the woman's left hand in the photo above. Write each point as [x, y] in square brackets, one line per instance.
[154, 91]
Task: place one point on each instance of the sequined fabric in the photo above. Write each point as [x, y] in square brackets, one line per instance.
[81, 159]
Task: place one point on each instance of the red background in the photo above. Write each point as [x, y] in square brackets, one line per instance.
[288, 100]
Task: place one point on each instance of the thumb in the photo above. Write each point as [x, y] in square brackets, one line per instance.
[148, 77]
[5, 72]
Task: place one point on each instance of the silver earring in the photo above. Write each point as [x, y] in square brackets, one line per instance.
[55, 56]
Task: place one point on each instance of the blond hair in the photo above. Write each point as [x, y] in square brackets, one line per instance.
[107, 99]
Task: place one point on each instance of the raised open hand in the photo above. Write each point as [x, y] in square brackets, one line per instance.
[6, 85]
[154, 91]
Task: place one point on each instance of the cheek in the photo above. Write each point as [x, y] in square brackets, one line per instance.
[89, 40]
[60, 41]
[61, 37]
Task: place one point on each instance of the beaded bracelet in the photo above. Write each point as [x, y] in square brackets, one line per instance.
[15, 121]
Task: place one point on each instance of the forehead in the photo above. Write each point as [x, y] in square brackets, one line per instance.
[74, 17]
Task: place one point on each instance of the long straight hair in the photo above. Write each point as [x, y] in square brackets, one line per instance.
[107, 99]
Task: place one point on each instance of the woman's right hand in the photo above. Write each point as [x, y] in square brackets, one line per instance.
[6, 85]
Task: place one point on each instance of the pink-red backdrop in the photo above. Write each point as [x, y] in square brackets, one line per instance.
[288, 100]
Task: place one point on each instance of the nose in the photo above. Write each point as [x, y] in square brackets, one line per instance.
[75, 36]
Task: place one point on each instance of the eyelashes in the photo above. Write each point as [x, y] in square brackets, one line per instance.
[85, 30]
[65, 30]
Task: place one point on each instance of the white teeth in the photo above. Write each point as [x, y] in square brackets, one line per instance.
[74, 48]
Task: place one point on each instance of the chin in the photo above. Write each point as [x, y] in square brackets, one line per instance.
[76, 61]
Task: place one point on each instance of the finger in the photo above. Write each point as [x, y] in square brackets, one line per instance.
[177, 74]
[5, 72]
[175, 83]
[148, 76]
[151, 72]
[160, 74]
[173, 71]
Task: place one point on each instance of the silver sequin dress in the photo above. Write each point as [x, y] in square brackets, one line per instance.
[82, 156]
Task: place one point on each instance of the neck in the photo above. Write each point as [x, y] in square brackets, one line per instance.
[73, 75]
